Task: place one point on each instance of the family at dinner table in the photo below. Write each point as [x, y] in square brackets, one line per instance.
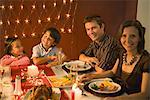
[123, 58]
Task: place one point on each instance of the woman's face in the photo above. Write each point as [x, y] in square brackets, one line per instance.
[17, 48]
[130, 39]
[47, 40]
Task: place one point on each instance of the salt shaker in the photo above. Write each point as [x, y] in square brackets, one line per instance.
[18, 90]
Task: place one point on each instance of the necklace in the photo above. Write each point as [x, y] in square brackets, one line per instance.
[134, 58]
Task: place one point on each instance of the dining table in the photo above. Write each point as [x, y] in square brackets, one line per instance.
[45, 72]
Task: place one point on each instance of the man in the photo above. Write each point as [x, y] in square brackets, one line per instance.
[103, 51]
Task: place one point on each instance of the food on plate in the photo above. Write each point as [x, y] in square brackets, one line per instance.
[105, 86]
[63, 81]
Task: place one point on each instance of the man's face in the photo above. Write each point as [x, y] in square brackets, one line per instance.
[93, 29]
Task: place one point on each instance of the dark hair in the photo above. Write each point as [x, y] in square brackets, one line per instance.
[141, 31]
[41, 92]
[8, 46]
[54, 34]
[98, 19]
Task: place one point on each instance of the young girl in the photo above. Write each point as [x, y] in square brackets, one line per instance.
[14, 54]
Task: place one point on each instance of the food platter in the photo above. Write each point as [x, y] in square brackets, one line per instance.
[62, 81]
[104, 86]
[79, 65]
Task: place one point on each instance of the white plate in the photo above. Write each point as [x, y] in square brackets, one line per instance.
[81, 66]
[98, 82]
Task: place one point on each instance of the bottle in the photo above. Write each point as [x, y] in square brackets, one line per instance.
[18, 91]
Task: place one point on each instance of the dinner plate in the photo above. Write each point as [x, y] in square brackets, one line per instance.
[81, 66]
[108, 87]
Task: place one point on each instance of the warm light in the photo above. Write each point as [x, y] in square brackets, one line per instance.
[26, 21]
[44, 6]
[67, 15]
[48, 19]
[33, 6]
[10, 7]
[6, 36]
[69, 30]
[64, 1]
[17, 21]
[2, 7]
[8, 22]
[21, 7]
[62, 30]
[24, 35]
[58, 17]
[1, 22]
[33, 34]
[71, 1]
[15, 35]
[39, 21]
[54, 4]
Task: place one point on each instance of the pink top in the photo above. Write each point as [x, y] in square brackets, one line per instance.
[14, 61]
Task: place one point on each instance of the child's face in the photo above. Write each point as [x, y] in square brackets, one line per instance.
[17, 48]
[47, 40]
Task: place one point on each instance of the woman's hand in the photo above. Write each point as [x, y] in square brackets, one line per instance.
[92, 61]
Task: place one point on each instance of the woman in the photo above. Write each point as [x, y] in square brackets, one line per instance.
[133, 65]
[14, 53]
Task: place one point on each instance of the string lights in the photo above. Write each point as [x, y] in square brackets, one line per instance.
[49, 14]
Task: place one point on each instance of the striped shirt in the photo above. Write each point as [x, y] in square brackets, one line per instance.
[106, 51]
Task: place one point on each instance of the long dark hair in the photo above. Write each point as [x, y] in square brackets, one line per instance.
[8, 45]
[141, 32]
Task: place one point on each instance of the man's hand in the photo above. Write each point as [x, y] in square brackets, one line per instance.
[92, 61]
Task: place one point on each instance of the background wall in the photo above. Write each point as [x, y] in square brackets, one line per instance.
[112, 11]
[143, 15]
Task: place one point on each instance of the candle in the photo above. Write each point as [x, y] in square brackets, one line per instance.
[33, 70]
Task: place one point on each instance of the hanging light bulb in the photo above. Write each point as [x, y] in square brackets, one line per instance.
[62, 30]
[21, 7]
[15, 35]
[2, 7]
[67, 15]
[6, 36]
[44, 6]
[26, 21]
[33, 34]
[54, 4]
[10, 7]
[39, 21]
[48, 19]
[8, 22]
[1, 22]
[33, 6]
[17, 21]
[69, 30]
[64, 1]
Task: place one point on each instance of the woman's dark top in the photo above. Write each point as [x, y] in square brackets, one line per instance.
[134, 80]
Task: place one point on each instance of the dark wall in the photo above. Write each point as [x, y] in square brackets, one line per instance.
[112, 11]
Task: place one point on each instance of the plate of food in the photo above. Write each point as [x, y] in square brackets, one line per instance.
[77, 65]
[104, 86]
[62, 81]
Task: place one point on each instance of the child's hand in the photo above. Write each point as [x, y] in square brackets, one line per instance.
[53, 58]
